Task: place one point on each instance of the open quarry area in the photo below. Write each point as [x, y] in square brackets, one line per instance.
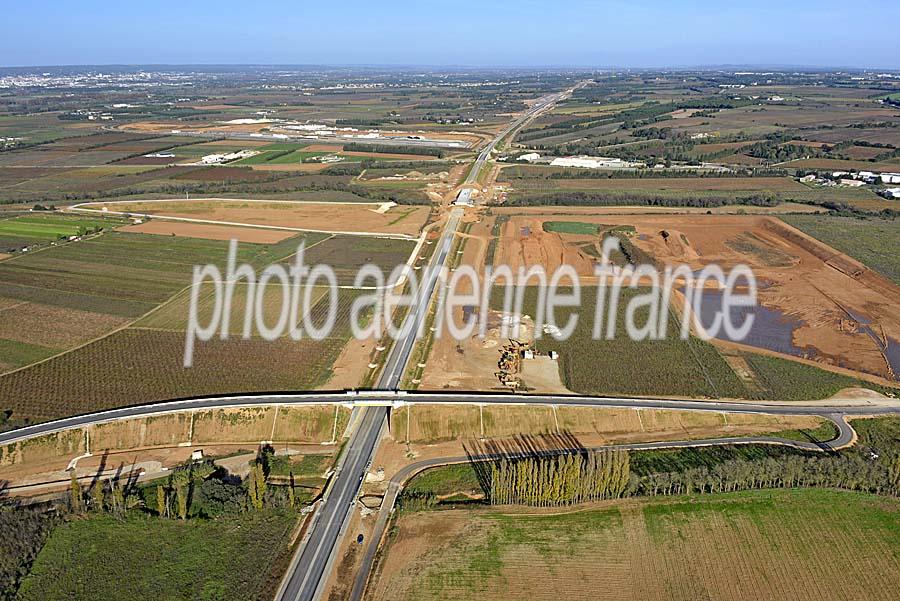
[815, 304]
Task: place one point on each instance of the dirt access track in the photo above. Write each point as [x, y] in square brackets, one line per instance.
[816, 303]
[350, 217]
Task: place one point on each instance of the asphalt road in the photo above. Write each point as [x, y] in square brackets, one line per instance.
[312, 564]
[855, 407]
[310, 567]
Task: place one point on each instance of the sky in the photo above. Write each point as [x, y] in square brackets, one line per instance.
[583, 33]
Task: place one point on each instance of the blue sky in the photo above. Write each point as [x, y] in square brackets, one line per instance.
[462, 32]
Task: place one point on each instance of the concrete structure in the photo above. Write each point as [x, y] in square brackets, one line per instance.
[891, 193]
[890, 178]
[852, 183]
[530, 157]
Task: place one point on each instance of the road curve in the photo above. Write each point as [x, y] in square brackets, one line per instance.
[387, 397]
[846, 436]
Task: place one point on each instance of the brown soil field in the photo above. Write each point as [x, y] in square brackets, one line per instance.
[455, 425]
[828, 295]
[210, 231]
[157, 431]
[346, 217]
[790, 544]
[863, 152]
[54, 327]
[155, 438]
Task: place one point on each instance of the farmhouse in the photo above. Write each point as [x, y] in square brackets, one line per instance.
[852, 183]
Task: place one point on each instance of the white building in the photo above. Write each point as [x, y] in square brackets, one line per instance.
[891, 193]
[593, 163]
[213, 159]
[890, 178]
[853, 183]
[530, 157]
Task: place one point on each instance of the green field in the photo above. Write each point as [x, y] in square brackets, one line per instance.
[873, 242]
[670, 366]
[788, 544]
[571, 227]
[785, 380]
[123, 273]
[142, 557]
[41, 228]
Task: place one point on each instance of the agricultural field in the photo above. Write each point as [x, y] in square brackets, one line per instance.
[119, 273]
[38, 229]
[533, 187]
[341, 217]
[90, 290]
[791, 544]
[141, 557]
[138, 366]
[873, 242]
[621, 366]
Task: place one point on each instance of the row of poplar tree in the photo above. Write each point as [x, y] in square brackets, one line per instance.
[547, 481]
[566, 479]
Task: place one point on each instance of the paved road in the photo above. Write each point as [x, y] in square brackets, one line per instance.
[850, 407]
[311, 565]
[308, 571]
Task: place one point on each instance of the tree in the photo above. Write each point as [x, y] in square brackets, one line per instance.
[256, 486]
[97, 496]
[162, 501]
[117, 499]
[75, 501]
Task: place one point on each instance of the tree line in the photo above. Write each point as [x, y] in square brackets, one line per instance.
[559, 480]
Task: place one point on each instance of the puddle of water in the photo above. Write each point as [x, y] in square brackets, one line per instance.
[892, 352]
[772, 329]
